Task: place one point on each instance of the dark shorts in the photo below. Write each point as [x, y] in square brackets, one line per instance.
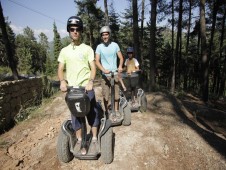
[93, 115]
[105, 84]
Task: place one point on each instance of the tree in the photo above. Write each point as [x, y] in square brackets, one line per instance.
[113, 23]
[57, 45]
[142, 30]
[222, 58]
[3, 55]
[126, 28]
[153, 43]
[23, 51]
[204, 57]
[29, 33]
[8, 47]
[187, 45]
[179, 43]
[173, 78]
[91, 17]
[106, 12]
[136, 30]
[43, 40]
[44, 47]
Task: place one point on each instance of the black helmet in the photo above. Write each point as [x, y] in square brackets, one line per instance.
[76, 21]
[129, 50]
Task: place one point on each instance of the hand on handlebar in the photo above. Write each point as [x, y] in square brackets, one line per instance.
[89, 86]
[120, 69]
[63, 86]
[107, 71]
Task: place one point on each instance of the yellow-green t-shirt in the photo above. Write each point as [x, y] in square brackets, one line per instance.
[77, 59]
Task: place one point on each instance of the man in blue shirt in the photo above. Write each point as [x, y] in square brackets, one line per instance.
[106, 60]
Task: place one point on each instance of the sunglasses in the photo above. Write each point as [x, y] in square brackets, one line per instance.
[75, 29]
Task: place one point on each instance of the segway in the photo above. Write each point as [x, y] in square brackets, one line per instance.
[124, 115]
[132, 81]
[79, 105]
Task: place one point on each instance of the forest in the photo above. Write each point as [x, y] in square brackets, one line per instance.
[185, 54]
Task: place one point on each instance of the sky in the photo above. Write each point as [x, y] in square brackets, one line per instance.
[40, 15]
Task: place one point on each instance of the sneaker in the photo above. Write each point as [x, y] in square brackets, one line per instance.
[118, 114]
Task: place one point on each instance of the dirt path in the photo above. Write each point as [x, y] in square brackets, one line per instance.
[161, 138]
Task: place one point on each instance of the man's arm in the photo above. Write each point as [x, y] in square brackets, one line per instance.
[60, 72]
[89, 86]
[99, 65]
[119, 54]
[93, 70]
[136, 65]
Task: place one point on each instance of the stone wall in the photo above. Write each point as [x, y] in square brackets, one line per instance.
[16, 96]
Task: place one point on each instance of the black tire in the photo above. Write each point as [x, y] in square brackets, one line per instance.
[107, 147]
[63, 148]
[127, 116]
[143, 106]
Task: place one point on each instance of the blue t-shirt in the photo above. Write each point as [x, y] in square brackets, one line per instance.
[108, 55]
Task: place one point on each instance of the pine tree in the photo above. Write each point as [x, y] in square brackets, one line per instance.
[8, 47]
[57, 45]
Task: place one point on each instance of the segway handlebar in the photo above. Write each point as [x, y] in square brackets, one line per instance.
[75, 88]
[132, 74]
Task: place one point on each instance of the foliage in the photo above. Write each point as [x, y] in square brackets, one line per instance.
[57, 45]
[31, 54]
[3, 58]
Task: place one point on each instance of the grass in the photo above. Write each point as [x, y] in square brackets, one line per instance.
[34, 111]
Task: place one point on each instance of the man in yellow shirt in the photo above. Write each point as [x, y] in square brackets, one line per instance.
[80, 71]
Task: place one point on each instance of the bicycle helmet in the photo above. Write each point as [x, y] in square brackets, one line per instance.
[105, 29]
[76, 21]
[130, 50]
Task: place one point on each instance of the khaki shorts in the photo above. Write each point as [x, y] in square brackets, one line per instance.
[105, 84]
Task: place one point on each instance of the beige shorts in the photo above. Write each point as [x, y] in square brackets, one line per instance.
[106, 87]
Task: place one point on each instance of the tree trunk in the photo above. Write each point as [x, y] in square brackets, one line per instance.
[204, 61]
[214, 12]
[187, 45]
[106, 12]
[5, 38]
[153, 43]
[223, 75]
[173, 56]
[178, 44]
[136, 31]
[142, 31]
[91, 37]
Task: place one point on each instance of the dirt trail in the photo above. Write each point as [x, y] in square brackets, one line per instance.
[161, 138]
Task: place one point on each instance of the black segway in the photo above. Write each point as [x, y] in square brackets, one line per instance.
[79, 105]
[124, 116]
[132, 81]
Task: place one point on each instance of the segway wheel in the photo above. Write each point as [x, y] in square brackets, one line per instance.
[127, 116]
[107, 147]
[63, 148]
[143, 106]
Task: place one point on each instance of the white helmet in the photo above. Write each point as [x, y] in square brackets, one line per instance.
[105, 29]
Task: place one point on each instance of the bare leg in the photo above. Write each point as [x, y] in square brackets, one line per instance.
[94, 132]
[79, 134]
[116, 105]
[79, 141]
[94, 144]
